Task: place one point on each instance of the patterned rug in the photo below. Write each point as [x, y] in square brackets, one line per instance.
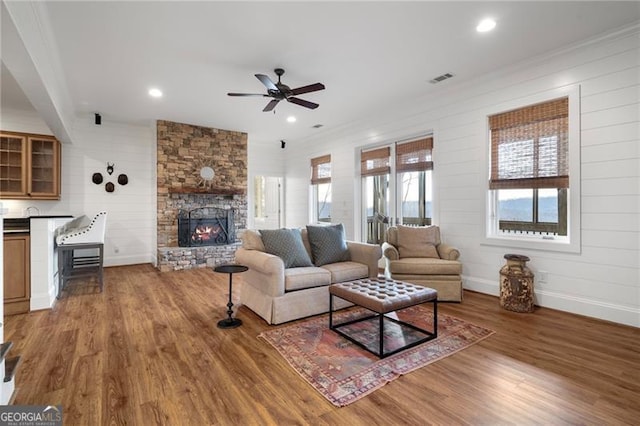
[343, 372]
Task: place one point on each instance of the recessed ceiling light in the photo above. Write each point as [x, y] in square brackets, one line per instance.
[156, 93]
[291, 119]
[486, 25]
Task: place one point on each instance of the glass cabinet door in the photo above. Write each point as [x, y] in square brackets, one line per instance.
[44, 159]
[13, 165]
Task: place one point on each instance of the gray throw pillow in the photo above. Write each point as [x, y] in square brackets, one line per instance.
[287, 245]
[328, 244]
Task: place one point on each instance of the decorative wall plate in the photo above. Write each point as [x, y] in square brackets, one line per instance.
[123, 179]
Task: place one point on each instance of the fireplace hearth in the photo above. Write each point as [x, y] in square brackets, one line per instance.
[205, 226]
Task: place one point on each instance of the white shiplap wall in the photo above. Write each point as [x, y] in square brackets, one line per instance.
[603, 280]
[131, 224]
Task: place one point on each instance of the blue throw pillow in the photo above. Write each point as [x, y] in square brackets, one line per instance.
[328, 244]
[286, 244]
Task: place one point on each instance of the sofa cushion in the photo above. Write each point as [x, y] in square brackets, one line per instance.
[305, 241]
[252, 240]
[328, 244]
[418, 241]
[425, 266]
[286, 244]
[306, 277]
[346, 271]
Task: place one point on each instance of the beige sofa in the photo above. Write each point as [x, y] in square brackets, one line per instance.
[280, 294]
[416, 255]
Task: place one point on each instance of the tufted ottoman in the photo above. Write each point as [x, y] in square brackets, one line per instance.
[382, 296]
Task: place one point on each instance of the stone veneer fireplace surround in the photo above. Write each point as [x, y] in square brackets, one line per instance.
[182, 149]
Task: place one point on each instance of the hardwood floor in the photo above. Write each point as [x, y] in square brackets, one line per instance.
[147, 351]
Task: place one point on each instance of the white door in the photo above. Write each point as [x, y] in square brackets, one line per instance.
[267, 202]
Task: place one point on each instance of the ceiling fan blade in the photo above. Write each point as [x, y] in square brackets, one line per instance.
[306, 89]
[271, 105]
[267, 82]
[303, 103]
[248, 94]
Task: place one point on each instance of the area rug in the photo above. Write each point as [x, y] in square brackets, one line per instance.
[343, 372]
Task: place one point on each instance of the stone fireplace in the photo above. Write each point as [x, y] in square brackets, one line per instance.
[199, 220]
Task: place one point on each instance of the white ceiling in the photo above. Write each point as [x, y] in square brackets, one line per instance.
[371, 56]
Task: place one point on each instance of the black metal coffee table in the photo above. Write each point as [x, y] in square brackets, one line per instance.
[230, 322]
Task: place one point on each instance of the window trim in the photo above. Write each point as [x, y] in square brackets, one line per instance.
[571, 243]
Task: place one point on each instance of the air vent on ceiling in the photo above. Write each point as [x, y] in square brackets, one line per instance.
[440, 78]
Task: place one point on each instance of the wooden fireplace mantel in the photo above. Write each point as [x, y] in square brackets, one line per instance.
[210, 191]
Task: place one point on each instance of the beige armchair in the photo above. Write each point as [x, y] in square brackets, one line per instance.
[416, 255]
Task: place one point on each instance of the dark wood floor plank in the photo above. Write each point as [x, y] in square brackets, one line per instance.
[148, 351]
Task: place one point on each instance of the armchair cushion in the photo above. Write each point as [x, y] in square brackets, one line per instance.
[419, 241]
[286, 244]
[425, 266]
[328, 244]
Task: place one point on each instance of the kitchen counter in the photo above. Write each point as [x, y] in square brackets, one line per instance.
[50, 216]
[43, 257]
[21, 225]
[41, 216]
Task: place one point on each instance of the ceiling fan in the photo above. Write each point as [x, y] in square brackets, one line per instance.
[280, 91]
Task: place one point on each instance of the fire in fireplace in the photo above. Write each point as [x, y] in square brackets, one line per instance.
[205, 226]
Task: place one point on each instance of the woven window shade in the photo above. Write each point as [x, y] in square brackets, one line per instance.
[530, 147]
[414, 156]
[321, 170]
[375, 162]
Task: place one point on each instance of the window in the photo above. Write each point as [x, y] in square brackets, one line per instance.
[413, 170]
[529, 177]
[321, 188]
[396, 186]
[375, 169]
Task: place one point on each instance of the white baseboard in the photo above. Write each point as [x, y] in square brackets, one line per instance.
[481, 285]
[563, 302]
[127, 260]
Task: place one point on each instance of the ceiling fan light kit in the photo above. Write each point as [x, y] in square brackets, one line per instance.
[280, 91]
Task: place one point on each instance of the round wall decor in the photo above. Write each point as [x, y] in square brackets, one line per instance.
[123, 179]
[207, 173]
[109, 187]
[97, 178]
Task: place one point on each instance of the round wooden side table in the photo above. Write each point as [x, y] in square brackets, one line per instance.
[230, 322]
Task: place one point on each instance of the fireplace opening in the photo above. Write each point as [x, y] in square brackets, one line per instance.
[205, 226]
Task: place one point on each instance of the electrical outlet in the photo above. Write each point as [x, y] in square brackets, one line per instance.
[543, 276]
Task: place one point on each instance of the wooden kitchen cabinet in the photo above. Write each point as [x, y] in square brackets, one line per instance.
[17, 279]
[29, 167]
